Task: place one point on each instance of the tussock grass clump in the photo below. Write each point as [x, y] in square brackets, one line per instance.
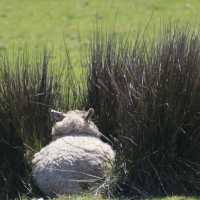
[146, 92]
[146, 95]
[30, 84]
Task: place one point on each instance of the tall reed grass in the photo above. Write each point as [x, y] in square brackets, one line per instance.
[31, 83]
[146, 93]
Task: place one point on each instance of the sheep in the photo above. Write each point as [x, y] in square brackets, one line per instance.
[75, 158]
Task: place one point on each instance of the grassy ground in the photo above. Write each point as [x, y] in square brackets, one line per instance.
[99, 198]
[52, 21]
[87, 198]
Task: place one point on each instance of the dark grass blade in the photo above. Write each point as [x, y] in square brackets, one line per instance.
[146, 94]
[31, 83]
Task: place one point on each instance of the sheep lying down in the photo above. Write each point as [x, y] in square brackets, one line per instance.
[75, 158]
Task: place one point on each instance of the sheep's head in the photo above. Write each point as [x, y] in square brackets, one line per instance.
[74, 122]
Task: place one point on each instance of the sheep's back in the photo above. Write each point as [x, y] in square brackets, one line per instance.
[71, 161]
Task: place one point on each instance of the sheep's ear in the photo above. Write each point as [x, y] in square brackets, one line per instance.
[56, 115]
[89, 114]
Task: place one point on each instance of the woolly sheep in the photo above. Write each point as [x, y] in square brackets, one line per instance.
[75, 158]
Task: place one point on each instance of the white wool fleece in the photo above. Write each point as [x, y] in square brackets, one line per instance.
[74, 159]
[74, 122]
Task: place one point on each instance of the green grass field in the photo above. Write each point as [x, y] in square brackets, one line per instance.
[48, 21]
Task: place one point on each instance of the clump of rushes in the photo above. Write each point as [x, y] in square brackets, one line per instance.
[31, 83]
[146, 94]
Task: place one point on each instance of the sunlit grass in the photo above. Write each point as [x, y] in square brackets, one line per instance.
[53, 21]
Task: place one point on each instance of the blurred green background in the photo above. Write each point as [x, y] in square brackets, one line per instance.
[49, 21]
